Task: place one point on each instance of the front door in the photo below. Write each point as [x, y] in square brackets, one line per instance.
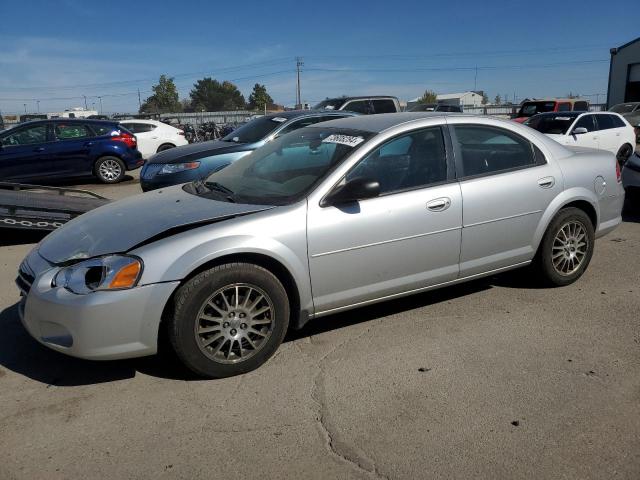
[24, 153]
[71, 152]
[591, 139]
[506, 186]
[405, 239]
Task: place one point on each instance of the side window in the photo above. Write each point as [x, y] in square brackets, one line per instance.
[414, 160]
[586, 122]
[132, 127]
[144, 127]
[617, 121]
[71, 131]
[295, 125]
[26, 136]
[581, 106]
[485, 150]
[359, 106]
[385, 105]
[102, 129]
[604, 122]
[564, 107]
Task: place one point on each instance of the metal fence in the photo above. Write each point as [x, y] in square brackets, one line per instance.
[198, 118]
[510, 111]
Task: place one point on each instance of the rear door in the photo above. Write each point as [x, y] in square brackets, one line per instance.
[506, 186]
[148, 141]
[383, 105]
[71, 151]
[608, 134]
[24, 152]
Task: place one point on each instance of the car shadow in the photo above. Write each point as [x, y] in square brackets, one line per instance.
[631, 209]
[17, 236]
[20, 353]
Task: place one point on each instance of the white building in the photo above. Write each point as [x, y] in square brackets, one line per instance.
[464, 98]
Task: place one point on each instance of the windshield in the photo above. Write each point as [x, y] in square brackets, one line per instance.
[285, 169]
[551, 124]
[529, 109]
[330, 104]
[624, 108]
[255, 130]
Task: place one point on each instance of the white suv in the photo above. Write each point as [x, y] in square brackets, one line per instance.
[600, 130]
[154, 136]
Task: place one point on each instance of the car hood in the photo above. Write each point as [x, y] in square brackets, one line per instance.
[194, 151]
[120, 226]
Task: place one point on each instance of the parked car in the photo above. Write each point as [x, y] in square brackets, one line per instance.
[365, 105]
[533, 107]
[66, 148]
[631, 113]
[601, 130]
[323, 219]
[198, 160]
[435, 107]
[631, 175]
[154, 136]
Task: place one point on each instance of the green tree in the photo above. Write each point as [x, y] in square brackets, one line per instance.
[212, 95]
[497, 100]
[259, 98]
[428, 97]
[485, 98]
[164, 99]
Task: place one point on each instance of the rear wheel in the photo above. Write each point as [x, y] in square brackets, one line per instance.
[109, 169]
[229, 320]
[566, 248]
[624, 153]
[165, 146]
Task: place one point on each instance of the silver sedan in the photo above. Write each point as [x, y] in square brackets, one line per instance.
[324, 219]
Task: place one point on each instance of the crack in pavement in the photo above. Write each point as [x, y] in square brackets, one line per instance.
[350, 454]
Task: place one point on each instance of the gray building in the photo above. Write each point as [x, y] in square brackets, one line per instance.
[624, 74]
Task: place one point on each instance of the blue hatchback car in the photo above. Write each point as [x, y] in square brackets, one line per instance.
[199, 160]
[66, 148]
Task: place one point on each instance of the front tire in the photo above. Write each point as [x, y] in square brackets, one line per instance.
[229, 320]
[109, 169]
[566, 248]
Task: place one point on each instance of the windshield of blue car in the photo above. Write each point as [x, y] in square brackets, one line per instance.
[255, 130]
[285, 169]
[551, 124]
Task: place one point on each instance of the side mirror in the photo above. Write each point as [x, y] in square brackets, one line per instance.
[357, 189]
[579, 131]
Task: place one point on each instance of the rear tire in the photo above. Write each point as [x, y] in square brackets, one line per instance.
[566, 248]
[624, 153]
[165, 146]
[109, 169]
[229, 320]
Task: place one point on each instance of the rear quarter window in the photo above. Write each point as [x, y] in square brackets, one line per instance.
[384, 106]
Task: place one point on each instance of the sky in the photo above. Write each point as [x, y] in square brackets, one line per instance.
[54, 53]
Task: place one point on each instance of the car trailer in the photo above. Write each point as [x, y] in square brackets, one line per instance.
[37, 207]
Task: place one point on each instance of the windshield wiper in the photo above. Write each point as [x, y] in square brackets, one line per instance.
[228, 193]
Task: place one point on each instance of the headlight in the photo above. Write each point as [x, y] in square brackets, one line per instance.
[178, 167]
[111, 272]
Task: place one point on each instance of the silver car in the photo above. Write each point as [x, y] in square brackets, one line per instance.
[323, 219]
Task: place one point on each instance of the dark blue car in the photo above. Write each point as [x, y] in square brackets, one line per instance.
[65, 148]
[199, 160]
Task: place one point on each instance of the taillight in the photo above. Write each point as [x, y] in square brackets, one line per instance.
[181, 132]
[126, 138]
[618, 172]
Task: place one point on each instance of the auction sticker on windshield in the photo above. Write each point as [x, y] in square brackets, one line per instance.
[343, 140]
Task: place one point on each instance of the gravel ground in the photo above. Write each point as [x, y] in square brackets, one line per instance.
[492, 379]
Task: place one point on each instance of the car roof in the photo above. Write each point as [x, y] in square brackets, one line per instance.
[69, 120]
[300, 113]
[383, 121]
[359, 97]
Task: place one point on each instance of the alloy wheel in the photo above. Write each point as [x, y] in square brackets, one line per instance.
[234, 323]
[110, 169]
[570, 247]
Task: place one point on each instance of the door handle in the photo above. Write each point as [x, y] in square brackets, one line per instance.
[439, 204]
[38, 149]
[547, 182]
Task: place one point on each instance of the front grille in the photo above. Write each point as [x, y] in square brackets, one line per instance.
[151, 169]
[25, 279]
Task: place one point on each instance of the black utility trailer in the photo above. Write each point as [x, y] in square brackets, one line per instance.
[37, 207]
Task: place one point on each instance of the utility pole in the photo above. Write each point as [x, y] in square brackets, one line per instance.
[38, 102]
[299, 63]
[25, 108]
[85, 102]
[139, 101]
[100, 98]
[475, 80]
